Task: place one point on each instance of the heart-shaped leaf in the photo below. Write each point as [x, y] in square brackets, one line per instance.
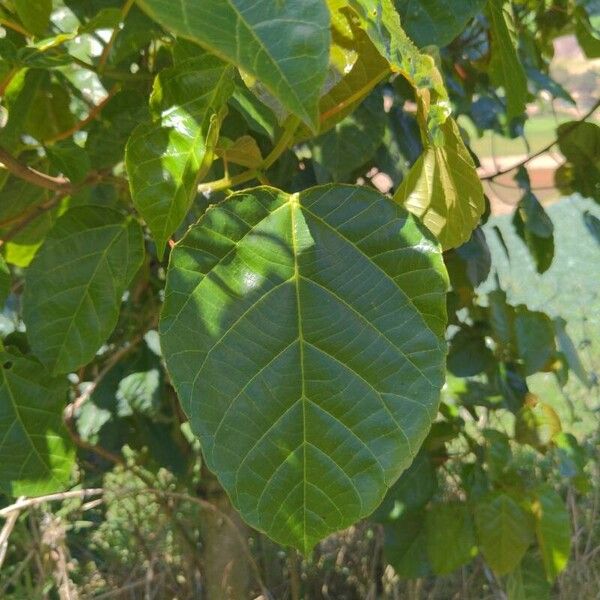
[304, 334]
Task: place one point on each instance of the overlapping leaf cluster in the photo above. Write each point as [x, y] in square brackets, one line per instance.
[304, 317]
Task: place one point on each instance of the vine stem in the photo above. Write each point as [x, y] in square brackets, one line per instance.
[546, 148]
[280, 147]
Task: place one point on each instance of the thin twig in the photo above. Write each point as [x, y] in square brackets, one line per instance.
[14, 26]
[57, 184]
[567, 130]
[106, 50]
[5, 534]
[25, 503]
[94, 112]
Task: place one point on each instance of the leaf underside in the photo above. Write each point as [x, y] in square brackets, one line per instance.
[305, 337]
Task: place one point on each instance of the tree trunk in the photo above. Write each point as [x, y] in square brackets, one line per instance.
[226, 574]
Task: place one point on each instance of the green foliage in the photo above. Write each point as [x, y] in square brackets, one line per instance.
[332, 352]
[299, 259]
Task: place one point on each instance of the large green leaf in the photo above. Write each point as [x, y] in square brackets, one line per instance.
[436, 22]
[285, 45]
[33, 441]
[553, 530]
[73, 287]
[505, 532]
[444, 190]
[450, 537]
[405, 545]
[166, 158]
[304, 336]
[506, 68]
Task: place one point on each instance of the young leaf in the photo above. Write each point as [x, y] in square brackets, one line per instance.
[506, 68]
[285, 45]
[450, 537]
[33, 441]
[304, 336]
[553, 530]
[505, 532]
[436, 22]
[166, 158]
[73, 287]
[444, 190]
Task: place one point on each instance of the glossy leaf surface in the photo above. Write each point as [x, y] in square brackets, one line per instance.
[166, 158]
[304, 336]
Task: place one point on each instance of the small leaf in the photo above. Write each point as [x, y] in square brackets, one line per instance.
[537, 423]
[73, 288]
[412, 491]
[166, 158]
[38, 457]
[243, 151]
[450, 537]
[506, 68]
[69, 159]
[567, 347]
[285, 45]
[553, 530]
[287, 316]
[444, 190]
[580, 144]
[534, 333]
[505, 532]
